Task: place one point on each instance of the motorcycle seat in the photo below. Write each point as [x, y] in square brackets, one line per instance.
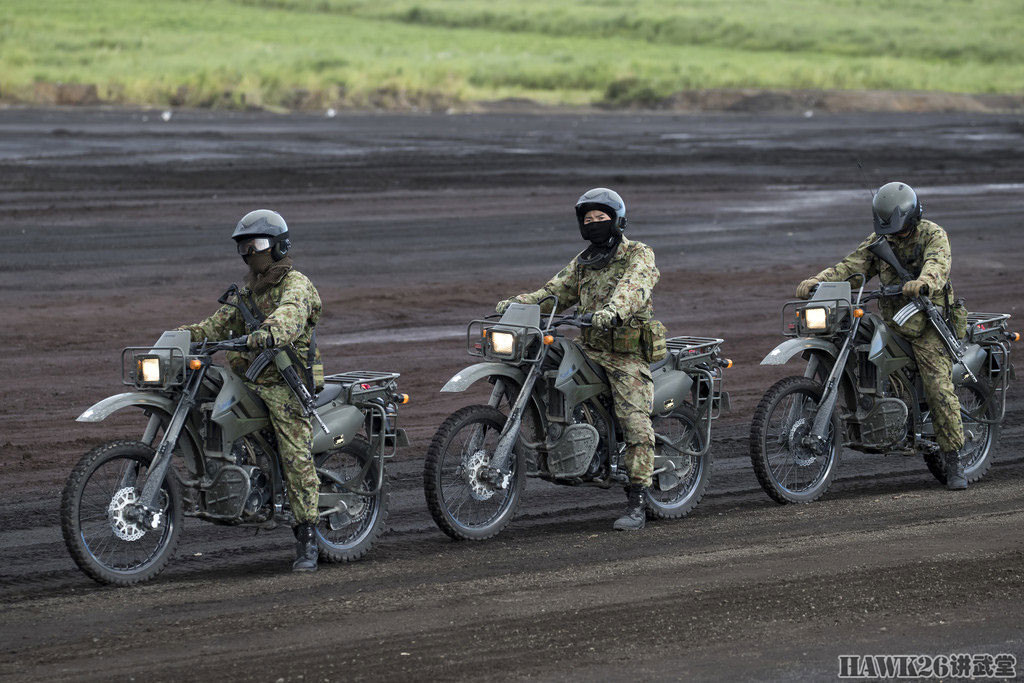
[903, 344]
[329, 393]
[661, 363]
[596, 367]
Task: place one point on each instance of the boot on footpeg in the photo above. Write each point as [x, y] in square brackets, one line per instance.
[635, 517]
[305, 548]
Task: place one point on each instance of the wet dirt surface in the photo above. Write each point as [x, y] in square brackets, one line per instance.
[115, 226]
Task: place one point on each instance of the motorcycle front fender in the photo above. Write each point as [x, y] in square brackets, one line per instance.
[467, 377]
[151, 402]
[131, 399]
[782, 353]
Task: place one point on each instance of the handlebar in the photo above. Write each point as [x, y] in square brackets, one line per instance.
[208, 347]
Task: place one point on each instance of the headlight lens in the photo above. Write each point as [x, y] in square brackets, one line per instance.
[149, 370]
[503, 343]
[816, 318]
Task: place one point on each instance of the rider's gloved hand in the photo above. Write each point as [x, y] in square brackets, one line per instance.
[603, 319]
[260, 339]
[503, 305]
[915, 288]
[803, 290]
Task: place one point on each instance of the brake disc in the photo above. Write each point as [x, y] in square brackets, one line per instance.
[477, 463]
[123, 528]
[802, 455]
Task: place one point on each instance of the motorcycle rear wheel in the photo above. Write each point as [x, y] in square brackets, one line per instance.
[464, 506]
[979, 438]
[787, 471]
[681, 428]
[349, 537]
[99, 532]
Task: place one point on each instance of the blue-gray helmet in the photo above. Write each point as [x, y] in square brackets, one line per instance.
[895, 208]
[603, 199]
[263, 223]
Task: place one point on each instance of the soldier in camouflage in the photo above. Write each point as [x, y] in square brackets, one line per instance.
[289, 305]
[923, 248]
[611, 283]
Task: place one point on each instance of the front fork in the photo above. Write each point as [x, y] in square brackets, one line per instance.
[151, 515]
[510, 433]
[816, 439]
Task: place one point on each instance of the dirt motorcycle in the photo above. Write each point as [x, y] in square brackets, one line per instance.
[861, 389]
[550, 415]
[209, 451]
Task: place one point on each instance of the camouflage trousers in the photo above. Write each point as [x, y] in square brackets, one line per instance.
[936, 370]
[633, 397]
[294, 444]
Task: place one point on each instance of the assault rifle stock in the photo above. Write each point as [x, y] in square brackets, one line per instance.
[883, 250]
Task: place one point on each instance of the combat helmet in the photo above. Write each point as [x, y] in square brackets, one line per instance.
[258, 225]
[605, 243]
[603, 199]
[895, 208]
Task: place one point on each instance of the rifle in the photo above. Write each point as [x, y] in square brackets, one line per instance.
[279, 357]
[883, 250]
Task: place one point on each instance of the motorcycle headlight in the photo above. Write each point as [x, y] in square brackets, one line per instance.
[816, 318]
[503, 343]
[148, 370]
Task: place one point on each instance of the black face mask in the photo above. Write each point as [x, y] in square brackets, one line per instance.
[598, 232]
[259, 262]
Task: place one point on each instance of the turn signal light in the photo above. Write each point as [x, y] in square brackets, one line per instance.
[858, 313]
[195, 364]
[403, 398]
[1015, 336]
[548, 340]
[728, 363]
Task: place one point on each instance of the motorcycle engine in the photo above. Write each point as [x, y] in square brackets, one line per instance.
[240, 491]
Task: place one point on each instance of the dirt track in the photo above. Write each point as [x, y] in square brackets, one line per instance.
[115, 228]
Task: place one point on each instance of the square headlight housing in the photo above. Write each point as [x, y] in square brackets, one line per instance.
[501, 343]
[816, 319]
[150, 370]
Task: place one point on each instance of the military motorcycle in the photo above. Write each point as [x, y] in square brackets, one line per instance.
[550, 415]
[208, 450]
[861, 389]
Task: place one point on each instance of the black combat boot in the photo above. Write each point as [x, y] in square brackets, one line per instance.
[955, 479]
[305, 548]
[636, 503]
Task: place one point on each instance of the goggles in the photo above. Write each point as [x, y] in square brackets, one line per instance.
[253, 245]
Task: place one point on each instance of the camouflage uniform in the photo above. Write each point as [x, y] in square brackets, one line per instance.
[925, 253]
[624, 288]
[292, 310]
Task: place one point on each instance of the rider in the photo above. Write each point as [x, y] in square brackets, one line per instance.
[923, 248]
[290, 307]
[611, 283]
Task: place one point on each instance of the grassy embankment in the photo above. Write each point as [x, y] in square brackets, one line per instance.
[313, 53]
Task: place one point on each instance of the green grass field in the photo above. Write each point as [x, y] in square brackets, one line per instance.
[312, 53]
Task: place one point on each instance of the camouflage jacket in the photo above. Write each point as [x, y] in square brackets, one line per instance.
[292, 310]
[623, 287]
[925, 253]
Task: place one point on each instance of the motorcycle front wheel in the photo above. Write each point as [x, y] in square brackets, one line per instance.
[788, 471]
[458, 481]
[98, 515]
[676, 492]
[347, 536]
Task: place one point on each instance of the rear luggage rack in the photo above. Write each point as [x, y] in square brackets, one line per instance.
[362, 385]
[692, 348]
[982, 325]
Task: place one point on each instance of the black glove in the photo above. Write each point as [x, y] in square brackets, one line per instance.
[236, 344]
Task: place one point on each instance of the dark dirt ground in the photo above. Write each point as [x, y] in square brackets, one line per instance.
[115, 224]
